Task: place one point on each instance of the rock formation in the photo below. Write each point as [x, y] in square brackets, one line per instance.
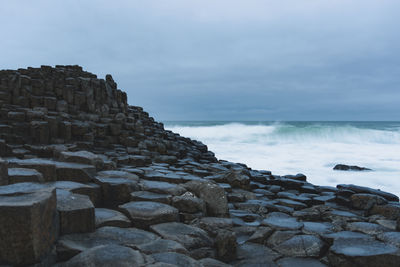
[86, 179]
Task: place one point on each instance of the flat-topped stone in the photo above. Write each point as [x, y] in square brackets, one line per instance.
[176, 259]
[93, 191]
[151, 196]
[363, 189]
[56, 170]
[145, 213]
[45, 166]
[70, 245]
[20, 175]
[107, 255]
[190, 237]
[318, 228]
[29, 226]
[366, 201]
[108, 217]
[367, 228]
[83, 157]
[162, 187]
[76, 213]
[162, 245]
[251, 254]
[362, 252]
[21, 188]
[116, 191]
[301, 246]
[118, 174]
[279, 220]
[299, 262]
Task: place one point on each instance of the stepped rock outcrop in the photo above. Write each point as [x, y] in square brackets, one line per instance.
[86, 179]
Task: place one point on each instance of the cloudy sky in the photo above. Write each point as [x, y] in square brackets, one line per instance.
[222, 59]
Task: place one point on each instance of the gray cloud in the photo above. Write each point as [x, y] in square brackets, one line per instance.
[222, 60]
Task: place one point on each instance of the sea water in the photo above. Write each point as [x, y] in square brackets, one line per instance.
[311, 148]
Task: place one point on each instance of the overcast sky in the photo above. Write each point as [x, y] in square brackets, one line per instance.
[222, 59]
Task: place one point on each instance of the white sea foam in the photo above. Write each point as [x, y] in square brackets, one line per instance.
[312, 149]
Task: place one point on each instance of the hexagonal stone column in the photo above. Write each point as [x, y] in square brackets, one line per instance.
[76, 212]
[146, 213]
[28, 226]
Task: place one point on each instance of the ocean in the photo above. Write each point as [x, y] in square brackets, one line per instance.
[312, 148]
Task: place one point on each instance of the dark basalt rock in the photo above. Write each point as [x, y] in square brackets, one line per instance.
[64, 130]
[145, 213]
[107, 217]
[282, 221]
[367, 190]
[343, 167]
[176, 259]
[107, 255]
[29, 226]
[361, 252]
[301, 246]
[189, 236]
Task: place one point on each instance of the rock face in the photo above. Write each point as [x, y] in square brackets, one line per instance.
[88, 180]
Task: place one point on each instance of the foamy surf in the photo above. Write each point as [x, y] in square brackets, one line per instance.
[312, 148]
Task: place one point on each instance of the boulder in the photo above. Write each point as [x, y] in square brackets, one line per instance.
[29, 226]
[213, 195]
[76, 213]
[145, 213]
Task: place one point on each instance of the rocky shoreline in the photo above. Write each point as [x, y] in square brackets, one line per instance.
[87, 180]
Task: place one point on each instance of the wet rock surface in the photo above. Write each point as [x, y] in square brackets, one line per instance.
[88, 180]
[344, 167]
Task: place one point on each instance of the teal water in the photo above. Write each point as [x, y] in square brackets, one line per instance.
[310, 147]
